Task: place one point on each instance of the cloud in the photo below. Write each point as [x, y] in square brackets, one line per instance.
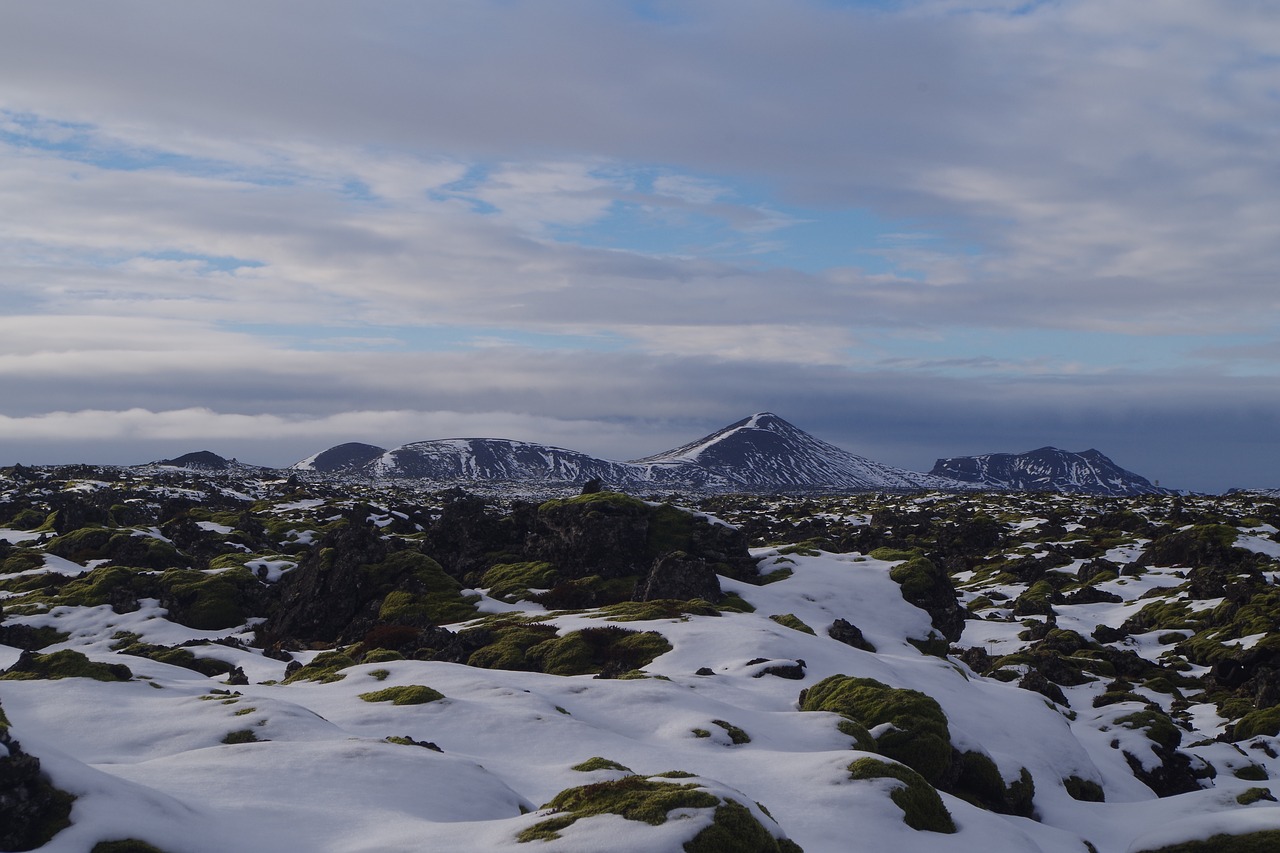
[1026, 220]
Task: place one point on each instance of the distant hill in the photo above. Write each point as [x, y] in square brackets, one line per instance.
[1046, 470]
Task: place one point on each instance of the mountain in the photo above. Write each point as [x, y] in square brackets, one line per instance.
[344, 457]
[762, 453]
[201, 460]
[766, 453]
[1046, 470]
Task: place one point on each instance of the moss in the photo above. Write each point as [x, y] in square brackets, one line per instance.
[379, 674]
[734, 603]
[324, 667]
[1261, 722]
[918, 736]
[1085, 790]
[1266, 841]
[1252, 773]
[591, 650]
[922, 808]
[210, 602]
[790, 620]
[661, 608]
[734, 829]
[1157, 725]
[670, 529]
[417, 591]
[598, 763]
[409, 694]
[979, 781]
[66, 663]
[125, 845]
[1253, 795]
[737, 735]
[240, 736]
[632, 797]
[772, 577]
[700, 733]
[891, 555]
[381, 656]
[512, 581]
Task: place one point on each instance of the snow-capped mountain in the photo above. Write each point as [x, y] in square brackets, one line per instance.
[765, 452]
[759, 453]
[1046, 470]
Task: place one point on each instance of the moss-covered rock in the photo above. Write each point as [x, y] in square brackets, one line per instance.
[125, 845]
[930, 588]
[733, 829]
[512, 581]
[325, 668]
[632, 797]
[1265, 721]
[918, 734]
[922, 808]
[408, 694]
[66, 663]
[1266, 841]
[598, 763]
[790, 620]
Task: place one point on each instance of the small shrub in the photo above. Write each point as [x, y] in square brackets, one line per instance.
[241, 736]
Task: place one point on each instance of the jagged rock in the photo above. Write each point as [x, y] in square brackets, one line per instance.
[681, 577]
[846, 632]
[32, 810]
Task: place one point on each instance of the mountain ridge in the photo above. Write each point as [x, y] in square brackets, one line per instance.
[1048, 469]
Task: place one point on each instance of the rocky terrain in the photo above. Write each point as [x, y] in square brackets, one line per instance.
[201, 660]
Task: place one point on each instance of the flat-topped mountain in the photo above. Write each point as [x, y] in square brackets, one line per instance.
[1047, 470]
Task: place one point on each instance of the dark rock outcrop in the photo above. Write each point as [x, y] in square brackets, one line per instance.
[32, 810]
[681, 577]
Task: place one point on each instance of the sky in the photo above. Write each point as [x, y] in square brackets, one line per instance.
[914, 229]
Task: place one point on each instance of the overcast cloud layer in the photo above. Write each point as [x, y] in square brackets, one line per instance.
[915, 229]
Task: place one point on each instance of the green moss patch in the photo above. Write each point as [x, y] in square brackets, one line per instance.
[538, 648]
[734, 829]
[919, 736]
[1266, 841]
[736, 735]
[922, 808]
[1261, 722]
[418, 591]
[409, 694]
[790, 620]
[325, 668]
[512, 581]
[598, 763]
[67, 663]
[649, 801]
[659, 608]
